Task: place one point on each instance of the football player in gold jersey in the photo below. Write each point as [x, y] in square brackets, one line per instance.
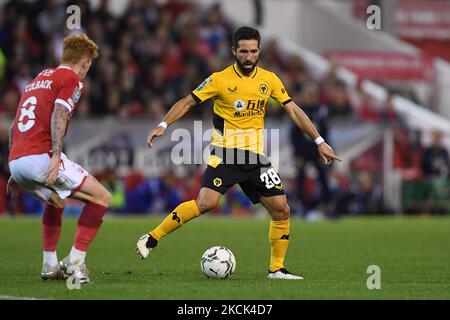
[240, 94]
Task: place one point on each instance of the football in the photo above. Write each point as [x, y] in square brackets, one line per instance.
[218, 262]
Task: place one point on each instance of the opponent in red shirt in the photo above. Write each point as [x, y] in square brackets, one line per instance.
[39, 166]
[32, 125]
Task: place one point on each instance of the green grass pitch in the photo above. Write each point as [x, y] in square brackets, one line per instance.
[333, 256]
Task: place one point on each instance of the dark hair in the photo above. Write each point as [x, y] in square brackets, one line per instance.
[246, 33]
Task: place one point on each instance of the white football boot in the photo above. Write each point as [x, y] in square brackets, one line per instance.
[52, 272]
[144, 245]
[283, 274]
[80, 272]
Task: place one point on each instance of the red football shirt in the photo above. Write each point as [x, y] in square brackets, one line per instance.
[32, 125]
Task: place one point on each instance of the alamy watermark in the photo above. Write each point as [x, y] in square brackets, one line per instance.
[73, 22]
[73, 281]
[232, 143]
[373, 21]
[374, 280]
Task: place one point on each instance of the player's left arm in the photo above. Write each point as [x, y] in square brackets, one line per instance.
[69, 93]
[60, 117]
[297, 115]
[304, 123]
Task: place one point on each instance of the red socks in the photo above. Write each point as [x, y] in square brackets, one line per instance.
[51, 227]
[88, 225]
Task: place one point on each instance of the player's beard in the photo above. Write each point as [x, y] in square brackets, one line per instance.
[243, 69]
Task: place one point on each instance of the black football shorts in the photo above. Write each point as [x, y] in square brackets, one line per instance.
[254, 173]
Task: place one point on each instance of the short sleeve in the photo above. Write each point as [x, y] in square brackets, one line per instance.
[279, 93]
[69, 93]
[207, 89]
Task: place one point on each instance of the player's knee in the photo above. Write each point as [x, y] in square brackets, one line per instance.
[283, 213]
[204, 205]
[107, 198]
[60, 204]
[104, 198]
[286, 211]
[57, 203]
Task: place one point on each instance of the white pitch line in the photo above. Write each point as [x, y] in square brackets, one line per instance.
[5, 297]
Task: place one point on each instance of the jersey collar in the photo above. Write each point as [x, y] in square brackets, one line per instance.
[64, 67]
[241, 75]
[68, 68]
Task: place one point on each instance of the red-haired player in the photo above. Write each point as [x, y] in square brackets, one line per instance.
[39, 166]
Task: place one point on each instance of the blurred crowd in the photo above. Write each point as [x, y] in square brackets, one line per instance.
[155, 53]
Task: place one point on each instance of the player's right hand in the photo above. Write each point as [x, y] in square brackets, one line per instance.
[52, 172]
[159, 131]
[12, 188]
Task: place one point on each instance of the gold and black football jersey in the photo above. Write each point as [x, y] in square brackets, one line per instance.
[239, 105]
